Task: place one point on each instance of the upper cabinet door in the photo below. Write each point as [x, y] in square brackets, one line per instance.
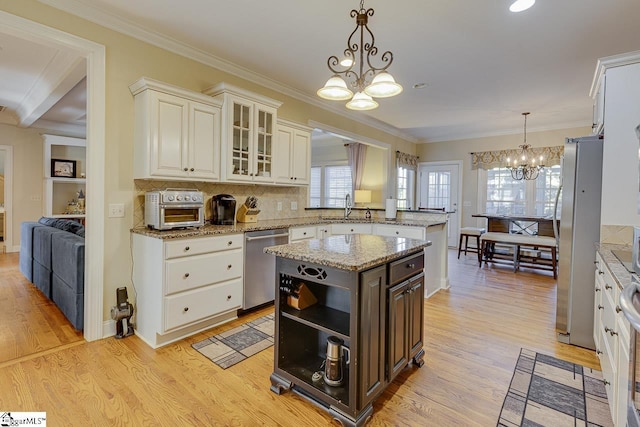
[177, 133]
[169, 133]
[204, 141]
[292, 154]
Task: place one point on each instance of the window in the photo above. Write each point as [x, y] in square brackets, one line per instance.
[329, 185]
[506, 196]
[405, 189]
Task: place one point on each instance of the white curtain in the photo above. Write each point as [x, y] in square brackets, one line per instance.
[357, 155]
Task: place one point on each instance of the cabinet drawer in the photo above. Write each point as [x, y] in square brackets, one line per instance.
[400, 231]
[302, 233]
[192, 272]
[192, 306]
[202, 245]
[406, 267]
[351, 228]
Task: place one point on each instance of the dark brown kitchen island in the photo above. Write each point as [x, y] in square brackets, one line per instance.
[370, 298]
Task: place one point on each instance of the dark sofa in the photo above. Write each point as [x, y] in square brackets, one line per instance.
[52, 258]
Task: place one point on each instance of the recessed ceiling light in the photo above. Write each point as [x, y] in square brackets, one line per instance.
[420, 85]
[520, 5]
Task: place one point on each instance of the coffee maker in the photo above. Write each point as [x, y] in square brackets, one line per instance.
[223, 207]
[334, 363]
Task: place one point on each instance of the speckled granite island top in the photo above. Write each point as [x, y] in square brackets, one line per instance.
[353, 252]
[270, 224]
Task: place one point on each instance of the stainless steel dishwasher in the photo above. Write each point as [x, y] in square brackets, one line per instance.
[260, 268]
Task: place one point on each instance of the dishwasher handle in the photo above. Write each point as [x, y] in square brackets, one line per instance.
[267, 236]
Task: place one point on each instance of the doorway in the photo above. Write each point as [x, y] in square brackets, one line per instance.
[94, 250]
[6, 198]
[439, 188]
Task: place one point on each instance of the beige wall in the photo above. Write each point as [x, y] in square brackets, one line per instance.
[128, 59]
[460, 151]
[28, 175]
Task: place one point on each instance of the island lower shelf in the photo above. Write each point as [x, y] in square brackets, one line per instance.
[369, 311]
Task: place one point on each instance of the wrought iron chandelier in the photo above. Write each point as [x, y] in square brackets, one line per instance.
[524, 165]
[356, 66]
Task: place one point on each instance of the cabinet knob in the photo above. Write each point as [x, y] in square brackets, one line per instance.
[411, 265]
[185, 309]
[600, 271]
[608, 287]
[597, 289]
[600, 307]
[186, 275]
[229, 243]
[304, 233]
[397, 232]
[229, 267]
[598, 351]
[291, 177]
[295, 178]
[606, 382]
[352, 230]
[618, 309]
[186, 169]
[228, 297]
[187, 248]
[192, 169]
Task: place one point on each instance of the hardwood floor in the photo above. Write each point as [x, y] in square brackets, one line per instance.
[29, 322]
[473, 335]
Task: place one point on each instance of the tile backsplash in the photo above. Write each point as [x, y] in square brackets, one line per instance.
[268, 198]
[616, 234]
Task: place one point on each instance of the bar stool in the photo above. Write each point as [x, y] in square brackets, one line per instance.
[476, 232]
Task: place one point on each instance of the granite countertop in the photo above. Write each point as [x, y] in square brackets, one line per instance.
[270, 224]
[353, 252]
[621, 275]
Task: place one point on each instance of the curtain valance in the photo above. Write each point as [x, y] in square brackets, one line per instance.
[406, 160]
[498, 158]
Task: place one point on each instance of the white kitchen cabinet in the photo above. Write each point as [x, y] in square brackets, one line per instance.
[391, 230]
[62, 190]
[185, 286]
[177, 133]
[323, 231]
[612, 337]
[351, 228]
[302, 233]
[249, 130]
[292, 154]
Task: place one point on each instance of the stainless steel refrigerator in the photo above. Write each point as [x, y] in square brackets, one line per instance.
[579, 232]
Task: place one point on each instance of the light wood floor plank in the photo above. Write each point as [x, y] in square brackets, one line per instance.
[473, 335]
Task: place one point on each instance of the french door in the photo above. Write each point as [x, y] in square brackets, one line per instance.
[438, 188]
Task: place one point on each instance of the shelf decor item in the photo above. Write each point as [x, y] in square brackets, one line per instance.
[63, 168]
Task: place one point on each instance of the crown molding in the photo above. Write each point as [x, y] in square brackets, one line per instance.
[132, 29]
[610, 62]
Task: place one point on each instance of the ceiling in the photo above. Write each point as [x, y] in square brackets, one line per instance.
[482, 65]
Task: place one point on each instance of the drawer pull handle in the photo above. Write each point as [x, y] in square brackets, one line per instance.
[597, 289]
[228, 297]
[229, 267]
[608, 287]
[187, 248]
[186, 275]
[185, 309]
[600, 307]
[618, 309]
[612, 332]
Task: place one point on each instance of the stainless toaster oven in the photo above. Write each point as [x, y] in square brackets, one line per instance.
[173, 208]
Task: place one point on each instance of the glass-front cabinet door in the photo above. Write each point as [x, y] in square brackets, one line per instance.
[241, 139]
[264, 145]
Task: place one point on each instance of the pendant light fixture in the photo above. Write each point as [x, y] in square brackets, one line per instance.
[524, 165]
[367, 80]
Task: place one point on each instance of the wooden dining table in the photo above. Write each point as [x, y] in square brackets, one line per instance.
[531, 225]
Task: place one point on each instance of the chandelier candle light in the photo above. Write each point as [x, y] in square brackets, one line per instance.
[357, 57]
[524, 166]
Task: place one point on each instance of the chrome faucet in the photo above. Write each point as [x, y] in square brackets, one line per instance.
[347, 206]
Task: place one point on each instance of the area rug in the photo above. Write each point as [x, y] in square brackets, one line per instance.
[237, 344]
[546, 391]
